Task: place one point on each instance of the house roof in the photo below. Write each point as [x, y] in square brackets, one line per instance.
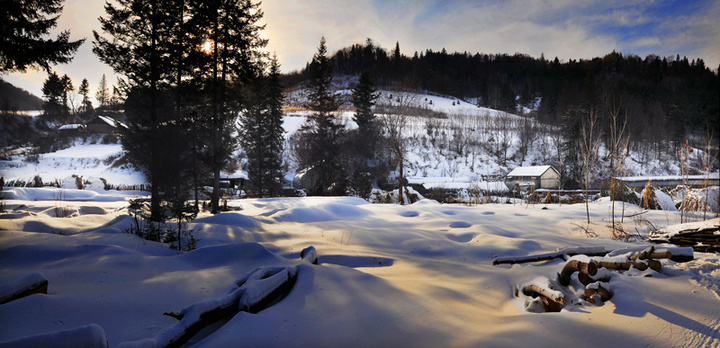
[71, 126]
[530, 171]
[108, 120]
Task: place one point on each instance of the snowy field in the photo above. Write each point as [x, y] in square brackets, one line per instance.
[389, 275]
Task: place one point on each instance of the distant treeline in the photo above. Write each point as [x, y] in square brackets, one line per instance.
[666, 98]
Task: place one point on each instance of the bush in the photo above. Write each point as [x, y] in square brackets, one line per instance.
[37, 181]
[648, 200]
[621, 192]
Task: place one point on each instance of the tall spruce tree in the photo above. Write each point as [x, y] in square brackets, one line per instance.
[84, 91]
[140, 47]
[103, 93]
[24, 24]
[363, 99]
[53, 91]
[67, 89]
[318, 148]
[274, 134]
[233, 59]
[262, 134]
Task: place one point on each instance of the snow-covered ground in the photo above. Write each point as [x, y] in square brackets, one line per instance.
[389, 275]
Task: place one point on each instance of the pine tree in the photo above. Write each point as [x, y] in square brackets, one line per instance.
[84, 91]
[319, 146]
[262, 134]
[232, 60]
[139, 47]
[103, 94]
[363, 98]
[22, 46]
[274, 134]
[53, 91]
[67, 89]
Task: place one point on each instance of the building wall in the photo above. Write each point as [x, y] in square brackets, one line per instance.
[550, 180]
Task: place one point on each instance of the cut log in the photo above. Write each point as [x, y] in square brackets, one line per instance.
[601, 289]
[542, 286]
[530, 258]
[563, 253]
[572, 266]
[650, 253]
[34, 283]
[309, 254]
[255, 291]
[624, 266]
[603, 275]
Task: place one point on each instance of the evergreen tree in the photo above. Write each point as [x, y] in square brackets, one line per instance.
[22, 46]
[103, 94]
[363, 99]
[84, 91]
[262, 134]
[141, 36]
[274, 134]
[232, 60]
[318, 148]
[53, 91]
[67, 89]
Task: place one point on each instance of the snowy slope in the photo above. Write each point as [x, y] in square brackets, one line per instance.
[466, 145]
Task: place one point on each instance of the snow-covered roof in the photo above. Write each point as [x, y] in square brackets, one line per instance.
[71, 126]
[667, 177]
[112, 122]
[529, 171]
[456, 183]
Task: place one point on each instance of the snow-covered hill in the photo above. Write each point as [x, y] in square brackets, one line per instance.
[462, 142]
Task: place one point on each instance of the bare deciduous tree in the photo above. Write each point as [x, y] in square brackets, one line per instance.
[395, 111]
[588, 153]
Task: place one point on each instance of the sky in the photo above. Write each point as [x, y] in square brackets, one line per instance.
[567, 29]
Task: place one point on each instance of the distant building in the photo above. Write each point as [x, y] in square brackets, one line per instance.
[534, 177]
[103, 125]
[713, 179]
[71, 130]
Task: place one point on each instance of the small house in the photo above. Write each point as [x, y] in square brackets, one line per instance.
[534, 177]
[103, 125]
[71, 130]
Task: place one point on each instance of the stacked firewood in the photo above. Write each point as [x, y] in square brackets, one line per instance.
[702, 237]
[593, 272]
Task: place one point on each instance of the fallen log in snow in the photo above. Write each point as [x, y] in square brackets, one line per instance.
[563, 253]
[703, 236]
[34, 283]
[572, 266]
[89, 336]
[596, 292]
[625, 265]
[254, 291]
[309, 254]
[542, 287]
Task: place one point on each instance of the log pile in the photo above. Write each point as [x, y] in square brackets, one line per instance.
[593, 272]
[702, 236]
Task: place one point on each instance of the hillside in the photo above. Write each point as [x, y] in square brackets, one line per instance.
[17, 99]
[665, 99]
[463, 143]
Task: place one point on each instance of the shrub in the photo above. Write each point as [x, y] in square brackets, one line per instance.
[648, 200]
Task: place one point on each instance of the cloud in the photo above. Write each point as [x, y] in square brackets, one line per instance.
[558, 28]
